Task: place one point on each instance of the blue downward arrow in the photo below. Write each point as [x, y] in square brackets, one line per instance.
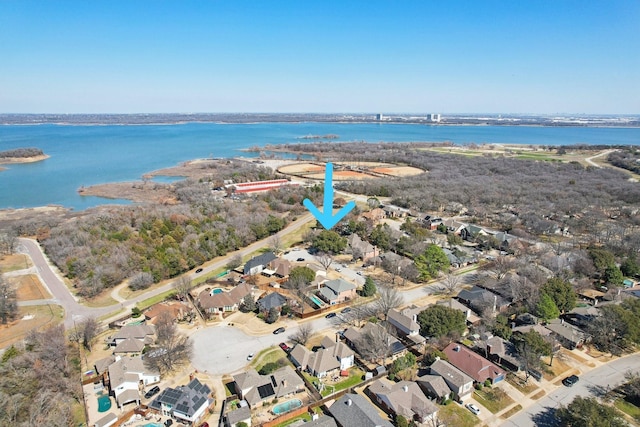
[327, 218]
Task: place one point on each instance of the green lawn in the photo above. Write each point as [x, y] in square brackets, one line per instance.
[306, 417]
[355, 378]
[154, 300]
[456, 415]
[268, 355]
[494, 399]
[628, 408]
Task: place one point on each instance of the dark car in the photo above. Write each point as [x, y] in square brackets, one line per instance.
[346, 310]
[152, 391]
[330, 315]
[279, 330]
[284, 347]
[300, 259]
[570, 381]
[168, 422]
[199, 270]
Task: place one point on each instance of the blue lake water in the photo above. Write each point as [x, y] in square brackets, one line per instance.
[87, 155]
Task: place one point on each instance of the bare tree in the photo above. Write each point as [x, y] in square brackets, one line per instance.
[451, 283]
[8, 242]
[172, 348]
[234, 262]
[375, 344]
[182, 286]
[275, 244]
[388, 298]
[8, 302]
[499, 266]
[325, 260]
[88, 330]
[305, 331]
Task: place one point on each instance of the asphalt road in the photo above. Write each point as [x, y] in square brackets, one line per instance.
[593, 383]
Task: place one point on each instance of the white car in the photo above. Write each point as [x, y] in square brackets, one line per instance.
[473, 408]
[250, 357]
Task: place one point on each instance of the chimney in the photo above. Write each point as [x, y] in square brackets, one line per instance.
[456, 348]
[349, 402]
[405, 388]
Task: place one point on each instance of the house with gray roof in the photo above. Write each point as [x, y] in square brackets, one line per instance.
[361, 249]
[321, 421]
[185, 403]
[257, 389]
[143, 333]
[240, 415]
[107, 421]
[403, 398]
[258, 263]
[405, 325]
[337, 291]
[218, 303]
[502, 352]
[434, 387]
[353, 410]
[568, 335]
[355, 335]
[331, 358]
[460, 383]
[481, 300]
[126, 375]
[272, 300]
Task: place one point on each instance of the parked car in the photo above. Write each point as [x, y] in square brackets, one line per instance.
[284, 347]
[168, 422]
[205, 424]
[199, 270]
[250, 357]
[300, 259]
[570, 381]
[338, 269]
[473, 408]
[346, 310]
[330, 315]
[279, 330]
[152, 392]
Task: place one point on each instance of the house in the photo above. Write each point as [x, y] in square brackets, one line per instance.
[471, 232]
[185, 403]
[337, 291]
[107, 421]
[432, 222]
[331, 358]
[257, 389]
[592, 296]
[214, 302]
[403, 398]
[405, 325]
[434, 387]
[395, 211]
[472, 364]
[258, 263]
[459, 383]
[278, 267]
[480, 300]
[131, 339]
[353, 410]
[354, 336]
[240, 415]
[453, 226]
[374, 215]
[175, 310]
[582, 316]
[272, 300]
[361, 249]
[568, 335]
[321, 421]
[126, 375]
[503, 352]
[102, 367]
[507, 242]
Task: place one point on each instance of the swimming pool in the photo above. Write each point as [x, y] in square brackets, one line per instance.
[288, 406]
[104, 403]
[153, 425]
[216, 291]
[315, 300]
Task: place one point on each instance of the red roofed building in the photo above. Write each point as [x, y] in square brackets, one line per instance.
[472, 364]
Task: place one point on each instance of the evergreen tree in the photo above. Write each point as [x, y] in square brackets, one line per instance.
[431, 262]
[561, 292]
[546, 308]
[439, 320]
[369, 288]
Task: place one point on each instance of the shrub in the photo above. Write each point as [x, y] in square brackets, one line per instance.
[487, 383]
[479, 386]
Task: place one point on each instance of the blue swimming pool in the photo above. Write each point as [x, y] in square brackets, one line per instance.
[288, 406]
[153, 425]
[104, 403]
[216, 291]
[316, 300]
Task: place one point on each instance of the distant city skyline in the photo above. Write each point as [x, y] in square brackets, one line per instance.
[524, 57]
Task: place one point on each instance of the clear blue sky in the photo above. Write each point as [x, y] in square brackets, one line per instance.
[129, 56]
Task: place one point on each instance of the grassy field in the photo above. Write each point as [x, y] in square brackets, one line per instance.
[306, 417]
[628, 408]
[520, 385]
[154, 300]
[494, 399]
[268, 355]
[14, 262]
[456, 415]
[511, 411]
[29, 318]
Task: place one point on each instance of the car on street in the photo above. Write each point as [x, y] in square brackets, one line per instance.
[346, 310]
[359, 273]
[250, 357]
[284, 347]
[152, 392]
[205, 424]
[570, 381]
[473, 408]
[300, 259]
[199, 270]
[278, 331]
[338, 269]
[330, 315]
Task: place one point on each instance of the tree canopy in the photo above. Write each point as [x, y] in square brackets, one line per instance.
[431, 262]
[439, 320]
[329, 241]
[301, 273]
[546, 308]
[561, 292]
[589, 412]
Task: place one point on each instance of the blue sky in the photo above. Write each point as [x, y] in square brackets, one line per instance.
[320, 56]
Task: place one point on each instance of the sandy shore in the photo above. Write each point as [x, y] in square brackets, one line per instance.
[12, 160]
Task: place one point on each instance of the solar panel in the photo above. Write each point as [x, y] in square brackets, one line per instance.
[182, 408]
[274, 382]
[265, 391]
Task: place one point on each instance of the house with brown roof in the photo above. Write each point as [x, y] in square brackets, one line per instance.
[434, 387]
[403, 398]
[126, 376]
[257, 389]
[131, 339]
[361, 249]
[279, 267]
[218, 302]
[175, 309]
[374, 216]
[472, 364]
[460, 383]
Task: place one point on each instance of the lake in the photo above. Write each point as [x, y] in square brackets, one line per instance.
[88, 155]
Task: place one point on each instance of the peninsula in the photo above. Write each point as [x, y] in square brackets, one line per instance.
[22, 155]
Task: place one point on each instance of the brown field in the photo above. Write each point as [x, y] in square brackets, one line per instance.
[29, 318]
[301, 168]
[340, 176]
[363, 170]
[30, 288]
[14, 262]
[398, 170]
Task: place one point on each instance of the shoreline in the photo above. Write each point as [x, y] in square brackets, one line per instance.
[18, 160]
